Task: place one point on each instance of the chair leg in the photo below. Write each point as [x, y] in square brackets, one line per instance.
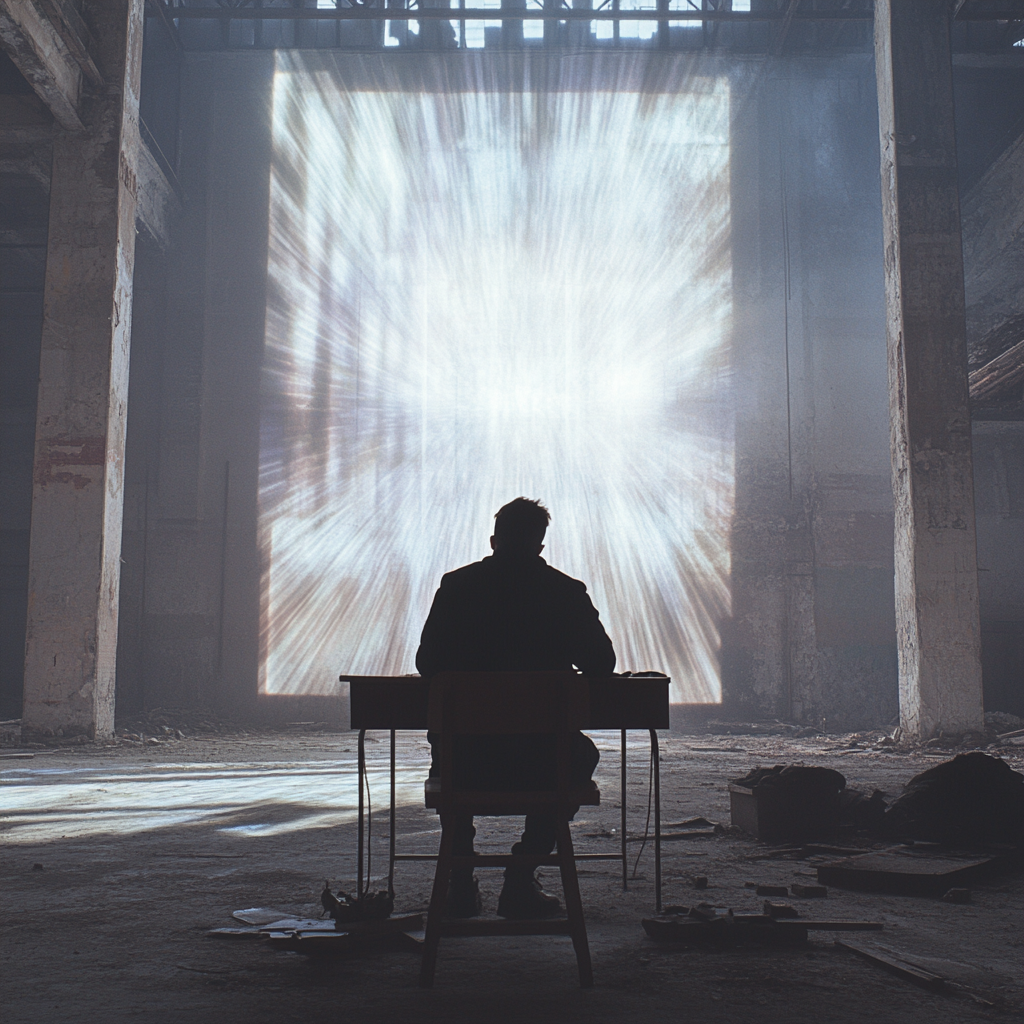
[442, 877]
[574, 904]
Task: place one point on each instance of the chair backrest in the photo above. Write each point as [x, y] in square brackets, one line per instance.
[505, 703]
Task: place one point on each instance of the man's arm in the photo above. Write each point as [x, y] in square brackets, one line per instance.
[592, 650]
[436, 638]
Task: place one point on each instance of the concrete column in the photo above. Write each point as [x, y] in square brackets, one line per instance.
[79, 449]
[937, 623]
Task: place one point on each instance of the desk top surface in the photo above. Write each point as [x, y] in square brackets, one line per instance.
[400, 702]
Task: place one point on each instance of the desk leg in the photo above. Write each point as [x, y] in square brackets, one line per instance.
[622, 805]
[656, 766]
[391, 823]
[360, 773]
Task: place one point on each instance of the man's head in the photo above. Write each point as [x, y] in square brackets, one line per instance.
[519, 527]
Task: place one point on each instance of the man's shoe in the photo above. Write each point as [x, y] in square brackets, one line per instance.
[463, 899]
[523, 899]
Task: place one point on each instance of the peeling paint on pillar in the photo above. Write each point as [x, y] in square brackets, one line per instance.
[936, 574]
[74, 560]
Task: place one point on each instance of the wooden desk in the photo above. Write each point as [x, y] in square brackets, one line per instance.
[616, 702]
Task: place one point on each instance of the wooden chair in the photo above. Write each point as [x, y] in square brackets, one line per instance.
[507, 703]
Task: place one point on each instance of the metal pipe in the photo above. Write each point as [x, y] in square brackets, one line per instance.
[391, 823]
[360, 772]
[656, 768]
[622, 812]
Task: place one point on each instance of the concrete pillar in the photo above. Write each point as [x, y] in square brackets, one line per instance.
[937, 622]
[83, 382]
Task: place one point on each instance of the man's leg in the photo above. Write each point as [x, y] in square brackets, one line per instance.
[463, 899]
[465, 833]
[522, 895]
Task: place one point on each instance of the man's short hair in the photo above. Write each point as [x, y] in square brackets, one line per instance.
[521, 523]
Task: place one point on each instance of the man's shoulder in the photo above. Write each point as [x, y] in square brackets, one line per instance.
[489, 571]
[465, 574]
[557, 578]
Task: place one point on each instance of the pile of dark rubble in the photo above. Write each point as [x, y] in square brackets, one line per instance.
[970, 800]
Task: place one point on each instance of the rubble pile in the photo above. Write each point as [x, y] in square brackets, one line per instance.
[972, 800]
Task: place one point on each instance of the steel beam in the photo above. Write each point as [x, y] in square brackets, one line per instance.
[34, 43]
[779, 42]
[157, 203]
[493, 14]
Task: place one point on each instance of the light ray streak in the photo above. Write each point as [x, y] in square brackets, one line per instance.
[476, 294]
[40, 807]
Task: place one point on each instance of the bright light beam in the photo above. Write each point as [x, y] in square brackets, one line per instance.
[480, 294]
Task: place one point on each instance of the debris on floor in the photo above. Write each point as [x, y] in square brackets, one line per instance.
[779, 909]
[861, 811]
[316, 937]
[772, 890]
[1001, 722]
[704, 925]
[809, 892]
[896, 963]
[917, 870]
[402, 933]
[787, 803]
[235, 933]
[346, 909]
[957, 896]
[692, 828]
[259, 915]
[973, 800]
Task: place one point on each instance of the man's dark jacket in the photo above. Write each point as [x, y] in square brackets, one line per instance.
[513, 612]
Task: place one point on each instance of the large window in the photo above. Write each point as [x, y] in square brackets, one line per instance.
[484, 290]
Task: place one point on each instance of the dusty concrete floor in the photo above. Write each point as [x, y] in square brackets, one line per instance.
[144, 849]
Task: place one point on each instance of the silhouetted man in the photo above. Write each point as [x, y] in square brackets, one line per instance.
[512, 612]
